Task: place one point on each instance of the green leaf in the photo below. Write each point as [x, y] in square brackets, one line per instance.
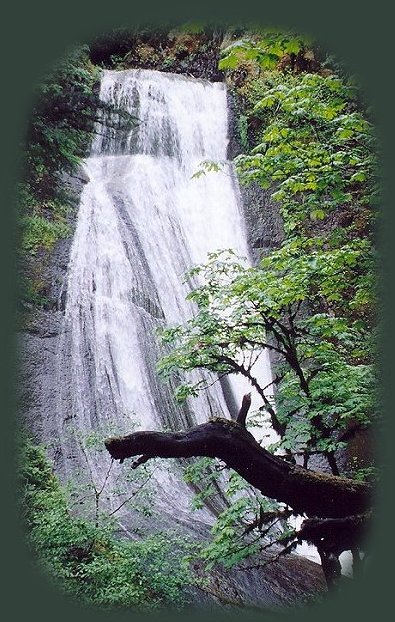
[317, 214]
[293, 46]
[359, 176]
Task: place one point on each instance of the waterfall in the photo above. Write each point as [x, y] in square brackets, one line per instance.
[143, 221]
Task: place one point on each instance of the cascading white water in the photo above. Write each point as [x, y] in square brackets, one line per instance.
[143, 222]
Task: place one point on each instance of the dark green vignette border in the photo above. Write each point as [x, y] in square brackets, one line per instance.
[34, 35]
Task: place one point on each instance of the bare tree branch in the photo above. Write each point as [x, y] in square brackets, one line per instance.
[306, 492]
[245, 406]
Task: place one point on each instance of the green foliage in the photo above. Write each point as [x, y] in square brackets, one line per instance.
[31, 292]
[89, 563]
[249, 524]
[266, 48]
[225, 547]
[208, 166]
[88, 489]
[42, 233]
[62, 121]
[326, 379]
[203, 470]
[311, 301]
[316, 148]
[242, 124]
[59, 133]
[369, 474]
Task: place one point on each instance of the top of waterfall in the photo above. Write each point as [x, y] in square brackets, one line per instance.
[162, 105]
[166, 74]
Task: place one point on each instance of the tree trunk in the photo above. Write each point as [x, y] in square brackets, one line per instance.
[338, 509]
[306, 492]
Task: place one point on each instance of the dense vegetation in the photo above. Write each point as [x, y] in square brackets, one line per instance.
[58, 135]
[88, 561]
[311, 302]
[306, 136]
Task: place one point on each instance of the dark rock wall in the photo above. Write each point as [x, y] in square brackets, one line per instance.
[264, 224]
[38, 339]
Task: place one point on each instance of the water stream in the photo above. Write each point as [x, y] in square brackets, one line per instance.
[143, 221]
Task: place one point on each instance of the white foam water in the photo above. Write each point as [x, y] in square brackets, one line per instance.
[143, 221]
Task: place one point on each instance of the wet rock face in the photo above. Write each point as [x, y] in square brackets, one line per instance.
[37, 350]
[265, 231]
[263, 220]
[283, 585]
[38, 340]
